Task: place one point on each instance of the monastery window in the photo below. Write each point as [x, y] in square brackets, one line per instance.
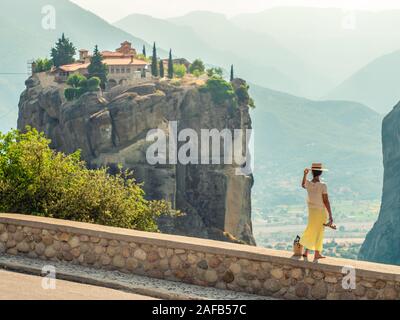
[122, 70]
[128, 70]
[117, 70]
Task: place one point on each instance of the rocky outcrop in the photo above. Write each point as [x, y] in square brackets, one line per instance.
[382, 243]
[111, 128]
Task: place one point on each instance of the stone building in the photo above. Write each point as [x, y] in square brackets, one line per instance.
[123, 65]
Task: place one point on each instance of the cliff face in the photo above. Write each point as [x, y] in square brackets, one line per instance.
[383, 241]
[111, 128]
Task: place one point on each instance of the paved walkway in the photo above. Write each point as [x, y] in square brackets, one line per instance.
[18, 286]
[142, 285]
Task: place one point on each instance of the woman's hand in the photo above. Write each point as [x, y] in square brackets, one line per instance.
[306, 171]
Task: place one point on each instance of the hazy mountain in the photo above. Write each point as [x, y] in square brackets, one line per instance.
[257, 50]
[376, 85]
[291, 132]
[23, 38]
[336, 42]
[188, 41]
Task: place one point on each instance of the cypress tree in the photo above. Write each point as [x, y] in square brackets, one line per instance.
[161, 69]
[232, 74]
[154, 63]
[144, 50]
[97, 68]
[170, 65]
[63, 52]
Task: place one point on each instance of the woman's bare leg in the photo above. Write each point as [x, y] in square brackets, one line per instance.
[317, 255]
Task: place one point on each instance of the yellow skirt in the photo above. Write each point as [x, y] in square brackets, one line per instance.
[313, 236]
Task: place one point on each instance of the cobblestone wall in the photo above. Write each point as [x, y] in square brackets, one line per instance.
[196, 261]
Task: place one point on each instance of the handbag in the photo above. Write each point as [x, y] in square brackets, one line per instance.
[297, 247]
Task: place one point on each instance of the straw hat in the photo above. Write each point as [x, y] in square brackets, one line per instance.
[318, 167]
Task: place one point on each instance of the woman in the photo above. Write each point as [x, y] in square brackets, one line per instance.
[318, 205]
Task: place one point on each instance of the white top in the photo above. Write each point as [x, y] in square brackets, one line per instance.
[315, 191]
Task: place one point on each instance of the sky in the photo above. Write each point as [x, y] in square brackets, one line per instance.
[113, 10]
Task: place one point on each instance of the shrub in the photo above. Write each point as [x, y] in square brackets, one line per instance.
[218, 72]
[80, 85]
[219, 89]
[37, 180]
[43, 65]
[179, 70]
[93, 84]
[197, 66]
[74, 80]
[70, 93]
[243, 96]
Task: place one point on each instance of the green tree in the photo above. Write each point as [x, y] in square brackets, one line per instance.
[161, 69]
[79, 85]
[219, 89]
[232, 74]
[42, 65]
[154, 62]
[215, 72]
[97, 68]
[198, 66]
[179, 70]
[63, 52]
[144, 50]
[36, 180]
[170, 65]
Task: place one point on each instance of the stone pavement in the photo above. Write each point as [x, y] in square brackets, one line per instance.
[141, 285]
[18, 286]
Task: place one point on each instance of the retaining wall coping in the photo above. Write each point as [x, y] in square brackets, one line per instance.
[363, 269]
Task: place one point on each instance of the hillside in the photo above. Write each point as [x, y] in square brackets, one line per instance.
[257, 57]
[375, 85]
[28, 40]
[291, 132]
[319, 35]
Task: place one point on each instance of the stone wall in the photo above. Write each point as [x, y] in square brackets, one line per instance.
[197, 261]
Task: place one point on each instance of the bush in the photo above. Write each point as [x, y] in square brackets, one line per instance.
[219, 89]
[179, 70]
[197, 66]
[243, 96]
[80, 85]
[43, 65]
[37, 180]
[74, 80]
[212, 72]
[93, 84]
[70, 93]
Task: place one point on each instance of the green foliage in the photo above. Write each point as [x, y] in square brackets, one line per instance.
[232, 76]
[179, 70]
[80, 85]
[243, 96]
[219, 89]
[154, 62]
[37, 180]
[43, 65]
[70, 93]
[97, 68]
[93, 84]
[144, 51]
[143, 57]
[197, 66]
[215, 72]
[170, 65]
[63, 52]
[74, 80]
[161, 69]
